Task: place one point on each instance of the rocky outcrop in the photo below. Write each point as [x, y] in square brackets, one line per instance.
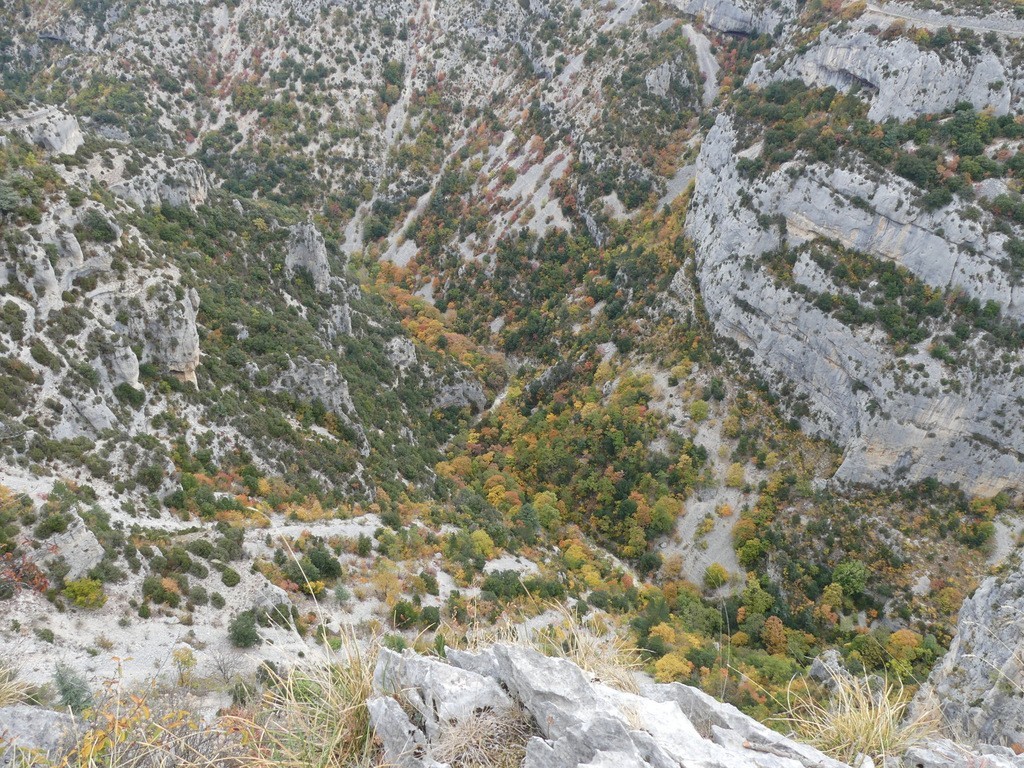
[316, 380]
[34, 729]
[401, 353]
[53, 129]
[121, 366]
[576, 721]
[308, 251]
[740, 16]
[166, 182]
[979, 683]
[78, 547]
[462, 391]
[857, 388]
[902, 80]
[168, 328]
[423, 704]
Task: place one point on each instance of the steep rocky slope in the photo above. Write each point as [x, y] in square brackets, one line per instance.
[99, 310]
[695, 313]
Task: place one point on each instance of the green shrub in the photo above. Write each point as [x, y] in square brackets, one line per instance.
[699, 410]
[430, 617]
[55, 522]
[326, 563]
[153, 589]
[430, 582]
[72, 688]
[364, 546]
[404, 614]
[151, 476]
[45, 634]
[230, 577]
[201, 548]
[242, 630]
[85, 593]
[95, 227]
[852, 576]
[129, 395]
[42, 355]
[715, 576]
[504, 584]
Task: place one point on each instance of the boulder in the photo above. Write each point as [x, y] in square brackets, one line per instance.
[588, 723]
[42, 731]
[440, 693]
[578, 722]
[402, 742]
[78, 547]
[943, 753]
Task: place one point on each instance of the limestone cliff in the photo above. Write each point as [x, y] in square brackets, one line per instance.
[979, 683]
[901, 79]
[916, 429]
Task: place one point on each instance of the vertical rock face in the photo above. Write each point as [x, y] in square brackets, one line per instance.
[979, 683]
[53, 130]
[168, 328]
[122, 367]
[740, 16]
[903, 81]
[852, 377]
[463, 390]
[307, 250]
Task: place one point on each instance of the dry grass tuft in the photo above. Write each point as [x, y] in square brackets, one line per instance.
[315, 716]
[488, 739]
[859, 718]
[12, 690]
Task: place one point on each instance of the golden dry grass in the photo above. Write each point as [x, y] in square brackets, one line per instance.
[315, 716]
[859, 718]
[489, 739]
[12, 690]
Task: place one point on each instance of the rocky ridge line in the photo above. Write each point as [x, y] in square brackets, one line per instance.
[580, 722]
